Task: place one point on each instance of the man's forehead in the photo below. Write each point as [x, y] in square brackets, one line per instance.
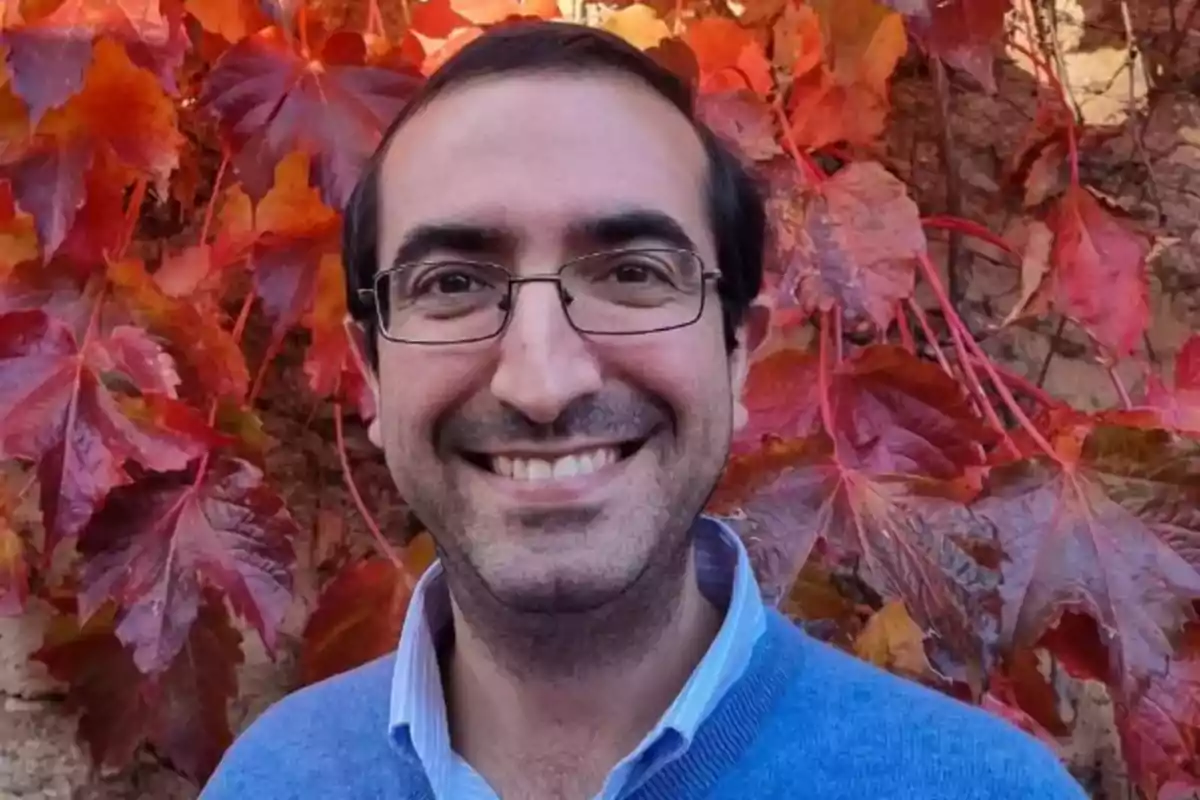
[543, 152]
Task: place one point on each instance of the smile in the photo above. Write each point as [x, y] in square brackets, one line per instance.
[533, 468]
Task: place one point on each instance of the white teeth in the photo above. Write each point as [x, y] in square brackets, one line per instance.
[539, 469]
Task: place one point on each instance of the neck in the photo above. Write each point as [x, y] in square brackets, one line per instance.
[576, 696]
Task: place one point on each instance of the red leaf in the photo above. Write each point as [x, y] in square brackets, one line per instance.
[210, 350]
[1160, 729]
[892, 412]
[357, 619]
[330, 363]
[851, 242]
[1099, 271]
[270, 101]
[49, 185]
[181, 711]
[154, 545]
[743, 120]
[1109, 536]
[901, 533]
[14, 574]
[57, 412]
[963, 33]
[1178, 408]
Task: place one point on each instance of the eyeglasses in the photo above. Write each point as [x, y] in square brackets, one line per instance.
[614, 293]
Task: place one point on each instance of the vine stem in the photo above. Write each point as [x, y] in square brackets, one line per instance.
[810, 169]
[375, 19]
[1023, 384]
[381, 541]
[1119, 385]
[970, 228]
[210, 210]
[906, 334]
[1072, 134]
[931, 337]
[131, 216]
[823, 382]
[964, 340]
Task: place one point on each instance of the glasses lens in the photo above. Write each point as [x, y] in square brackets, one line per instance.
[445, 301]
[634, 291]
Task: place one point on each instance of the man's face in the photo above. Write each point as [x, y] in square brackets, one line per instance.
[524, 171]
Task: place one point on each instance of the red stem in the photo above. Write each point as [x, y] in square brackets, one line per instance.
[303, 25]
[810, 169]
[212, 199]
[1023, 384]
[1119, 385]
[963, 339]
[839, 345]
[970, 229]
[385, 548]
[930, 337]
[972, 380]
[1056, 83]
[131, 216]
[823, 383]
[272, 351]
[906, 335]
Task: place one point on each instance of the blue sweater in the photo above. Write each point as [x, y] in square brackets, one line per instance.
[805, 721]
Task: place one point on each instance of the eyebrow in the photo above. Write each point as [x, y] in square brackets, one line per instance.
[600, 232]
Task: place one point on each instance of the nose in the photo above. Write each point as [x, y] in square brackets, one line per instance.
[544, 363]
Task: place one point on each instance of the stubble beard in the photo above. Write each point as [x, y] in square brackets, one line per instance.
[559, 631]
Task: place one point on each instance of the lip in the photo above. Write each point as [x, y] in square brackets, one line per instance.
[558, 451]
[577, 490]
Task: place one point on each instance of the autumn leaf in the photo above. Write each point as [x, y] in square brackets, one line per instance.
[231, 19]
[1099, 271]
[436, 19]
[1160, 726]
[850, 243]
[638, 24]
[963, 33]
[357, 619]
[901, 532]
[18, 237]
[845, 96]
[14, 571]
[48, 56]
[743, 120]
[1108, 535]
[212, 353]
[892, 412]
[271, 101]
[330, 363]
[1035, 263]
[1179, 408]
[48, 175]
[153, 548]
[58, 412]
[891, 640]
[181, 711]
[490, 12]
[729, 56]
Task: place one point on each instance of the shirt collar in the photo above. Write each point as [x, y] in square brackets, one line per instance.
[725, 577]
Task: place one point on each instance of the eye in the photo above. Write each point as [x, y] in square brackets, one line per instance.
[450, 280]
[639, 269]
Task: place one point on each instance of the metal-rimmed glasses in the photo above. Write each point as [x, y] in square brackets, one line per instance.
[614, 293]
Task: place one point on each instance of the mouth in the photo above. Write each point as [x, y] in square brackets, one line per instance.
[535, 468]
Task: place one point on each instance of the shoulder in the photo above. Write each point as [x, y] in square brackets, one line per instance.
[890, 733]
[332, 733]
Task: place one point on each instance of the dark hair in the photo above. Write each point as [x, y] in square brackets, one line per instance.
[735, 207]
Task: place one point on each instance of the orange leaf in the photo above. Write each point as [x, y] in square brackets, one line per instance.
[329, 363]
[489, 12]
[14, 574]
[846, 97]
[743, 120]
[49, 58]
[232, 19]
[730, 57]
[1099, 271]
[638, 24]
[891, 640]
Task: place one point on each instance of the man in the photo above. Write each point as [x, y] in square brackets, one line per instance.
[552, 261]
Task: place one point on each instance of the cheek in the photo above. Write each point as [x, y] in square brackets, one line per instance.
[415, 390]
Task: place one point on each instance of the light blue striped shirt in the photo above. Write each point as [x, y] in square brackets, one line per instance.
[418, 706]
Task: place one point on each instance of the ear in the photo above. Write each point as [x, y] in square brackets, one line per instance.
[357, 338]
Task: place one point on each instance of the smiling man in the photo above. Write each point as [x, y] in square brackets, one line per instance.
[552, 260]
